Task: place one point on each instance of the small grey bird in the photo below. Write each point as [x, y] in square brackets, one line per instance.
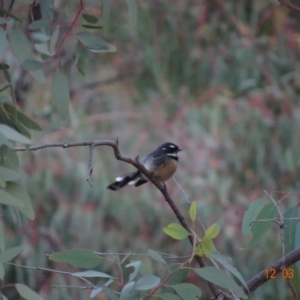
[162, 163]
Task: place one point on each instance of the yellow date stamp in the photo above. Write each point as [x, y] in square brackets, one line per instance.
[286, 273]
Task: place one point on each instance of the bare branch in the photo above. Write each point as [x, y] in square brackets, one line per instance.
[260, 278]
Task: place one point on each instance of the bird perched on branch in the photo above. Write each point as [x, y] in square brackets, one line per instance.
[161, 163]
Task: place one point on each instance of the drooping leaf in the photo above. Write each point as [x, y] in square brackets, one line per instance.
[20, 193]
[250, 215]
[221, 279]
[8, 199]
[290, 228]
[14, 135]
[24, 119]
[26, 292]
[224, 261]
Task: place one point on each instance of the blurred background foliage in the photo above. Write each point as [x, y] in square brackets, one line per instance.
[219, 78]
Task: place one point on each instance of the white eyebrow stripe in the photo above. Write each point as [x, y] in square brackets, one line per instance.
[172, 146]
[119, 179]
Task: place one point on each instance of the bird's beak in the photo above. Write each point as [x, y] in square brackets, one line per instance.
[179, 150]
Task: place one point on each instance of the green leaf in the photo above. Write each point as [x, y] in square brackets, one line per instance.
[132, 8]
[61, 93]
[176, 231]
[9, 254]
[178, 275]
[26, 293]
[14, 135]
[4, 67]
[224, 261]
[2, 272]
[20, 45]
[212, 231]
[2, 240]
[20, 193]
[2, 182]
[3, 41]
[127, 292]
[20, 127]
[290, 228]
[98, 290]
[136, 265]
[206, 247]
[39, 24]
[24, 119]
[44, 49]
[6, 142]
[77, 257]
[11, 160]
[156, 256]
[169, 296]
[31, 65]
[91, 273]
[91, 26]
[221, 279]
[81, 54]
[90, 18]
[187, 291]
[146, 283]
[193, 211]
[53, 40]
[8, 199]
[259, 229]
[95, 43]
[21, 49]
[250, 215]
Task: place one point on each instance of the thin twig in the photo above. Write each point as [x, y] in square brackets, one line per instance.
[260, 278]
[52, 271]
